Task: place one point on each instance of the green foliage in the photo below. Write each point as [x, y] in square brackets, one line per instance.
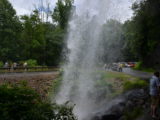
[132, 115]
[64, 112]
[128, 85]
[10, 28]
[62, 12]
[1, 64]
[55, 87]
[20, 102]
[31, 63]
[54, 44]
[142, 33]
[31, 37]
[139, 66]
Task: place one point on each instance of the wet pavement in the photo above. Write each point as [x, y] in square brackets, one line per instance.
[136, 73]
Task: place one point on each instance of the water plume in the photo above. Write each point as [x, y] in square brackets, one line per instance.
[85, 42]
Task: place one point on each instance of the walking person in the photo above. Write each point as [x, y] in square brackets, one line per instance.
[154, 93]
[120, 67]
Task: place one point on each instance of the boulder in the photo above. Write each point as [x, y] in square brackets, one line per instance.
[127, 102]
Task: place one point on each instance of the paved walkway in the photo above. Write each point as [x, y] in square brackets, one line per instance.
[25, 74]
[144, 75]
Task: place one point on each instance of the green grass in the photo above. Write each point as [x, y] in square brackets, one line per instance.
[55, 87]
[113, 81]
[120, 75]
[116, 82]
[119, 82]
[129, 85]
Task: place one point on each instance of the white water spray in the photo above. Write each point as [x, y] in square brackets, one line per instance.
[84, 60]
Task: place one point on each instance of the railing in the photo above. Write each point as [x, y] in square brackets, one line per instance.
[27, 69]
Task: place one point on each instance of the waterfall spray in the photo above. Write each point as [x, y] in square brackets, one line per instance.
[84, 42]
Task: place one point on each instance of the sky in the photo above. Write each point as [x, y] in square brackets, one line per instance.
[26, 6]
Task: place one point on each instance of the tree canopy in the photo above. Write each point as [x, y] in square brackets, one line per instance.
[143, 32]
[10, 28]
[29, 37]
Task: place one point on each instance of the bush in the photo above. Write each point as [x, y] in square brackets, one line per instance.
[31, 63]
[132, 115]
[1, 64]
[18, 102]
[64, 112]
[128, 85]
[139, 66]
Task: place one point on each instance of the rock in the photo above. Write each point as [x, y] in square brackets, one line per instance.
[127, 102]
[113, 112]
[136, 95]
[123, 118]
[110, 117]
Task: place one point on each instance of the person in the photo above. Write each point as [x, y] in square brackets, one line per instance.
[154, 93]
[120, 67]
[25, 66]
[105, 66]
[6, 65]
[14, 65]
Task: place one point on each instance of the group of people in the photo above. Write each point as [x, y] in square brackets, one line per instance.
[14, 65]
[114, 66]
[155, 94]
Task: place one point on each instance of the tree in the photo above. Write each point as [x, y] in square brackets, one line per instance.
[62, 12]
[33, 37]
[144, 34]
[54, 44]
[129, 53]
[113, 41]
[10, 28]
[41, 41]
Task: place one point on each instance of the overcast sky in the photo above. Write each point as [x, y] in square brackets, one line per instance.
[26, 6]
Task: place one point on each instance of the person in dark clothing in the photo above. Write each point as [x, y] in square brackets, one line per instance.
[154, 93]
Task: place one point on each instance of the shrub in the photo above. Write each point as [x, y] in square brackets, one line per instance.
[139, 66]
[18, 102]
[132, 115]
[31, 63]
[128, 85]
[1, 64]
[64, 112]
